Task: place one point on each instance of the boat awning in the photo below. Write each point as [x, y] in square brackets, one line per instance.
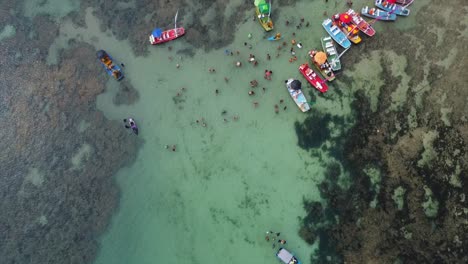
[284, 255]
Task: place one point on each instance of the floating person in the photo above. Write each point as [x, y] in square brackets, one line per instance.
[131, 124]
[268, 74]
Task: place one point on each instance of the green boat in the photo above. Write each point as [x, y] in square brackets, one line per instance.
[329, 48]
[263, 13]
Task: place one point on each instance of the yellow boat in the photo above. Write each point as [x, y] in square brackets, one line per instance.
[263, 12]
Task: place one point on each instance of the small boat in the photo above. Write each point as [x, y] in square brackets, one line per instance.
[392, 8]
[275, 37]
[294, 89]
[343, 21]
[263, 13]
[378, 14]
[108, 63]
[330, 50]
[336, 33]
[404, 2]
[361, 24]
[287, 257]
[320, 60]
[158, 36]
[313, 78]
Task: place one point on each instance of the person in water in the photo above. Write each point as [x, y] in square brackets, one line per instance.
[131, 124]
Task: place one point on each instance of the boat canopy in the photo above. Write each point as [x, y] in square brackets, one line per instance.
[264, 8]
[284, 255]
[296, 85]
[157, 32]
[320, 57]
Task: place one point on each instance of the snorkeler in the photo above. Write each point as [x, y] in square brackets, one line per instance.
[132, 125]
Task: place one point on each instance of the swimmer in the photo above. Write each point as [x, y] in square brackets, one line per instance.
[169, 48]
[183, 89]
[281, 101]
[216, 91]
[166, 146]
[299, 45]
[307, 24]
[224, 112]
[255, 104]
[282, 241]
[251, 93]
[178, 94]
[177, 65]
[255, 63]
[264, 89]
[123, 65]
[287, 22]
[285, 107]
[173, 148]
[226, 79]
[235, 118]
[268, 56]
[238, 64]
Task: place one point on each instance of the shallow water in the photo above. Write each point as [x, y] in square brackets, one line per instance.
[213, 199]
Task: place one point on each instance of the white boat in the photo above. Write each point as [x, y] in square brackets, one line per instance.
[294, 89]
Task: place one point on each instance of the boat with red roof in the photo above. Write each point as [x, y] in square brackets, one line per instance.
[313, 78]
[158, 36]
[360, 23]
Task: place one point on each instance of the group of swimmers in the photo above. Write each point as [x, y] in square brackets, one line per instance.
[275, 237]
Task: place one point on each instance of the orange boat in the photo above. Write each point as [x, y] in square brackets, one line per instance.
[313, 78]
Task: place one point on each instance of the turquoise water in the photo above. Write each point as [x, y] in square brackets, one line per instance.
[212, 199]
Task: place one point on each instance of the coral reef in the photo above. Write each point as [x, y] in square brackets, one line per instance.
[58, 152]
[419, 148]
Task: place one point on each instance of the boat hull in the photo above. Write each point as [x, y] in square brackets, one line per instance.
[265, 21]
[392, 8]
[108, 64]
[346, 28]
[313, 78]
[329, 48]
[298, 97]
[337, 35]
[378, 14]
[360, 23]
[167, 35]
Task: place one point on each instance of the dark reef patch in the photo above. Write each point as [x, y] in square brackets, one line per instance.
[314, 130]
[59, 153]
[126, 94]
[430, 226]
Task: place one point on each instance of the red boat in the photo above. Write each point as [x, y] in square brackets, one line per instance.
[158, 36]
[313, 78]
[360, 23]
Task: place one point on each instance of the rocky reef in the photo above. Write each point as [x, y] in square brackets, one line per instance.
[407, 158]
[58, 152]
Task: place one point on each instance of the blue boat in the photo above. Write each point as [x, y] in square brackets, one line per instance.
[378, 14]
[336, 34]
[392, 8]
[108, 63]
[287, 257]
